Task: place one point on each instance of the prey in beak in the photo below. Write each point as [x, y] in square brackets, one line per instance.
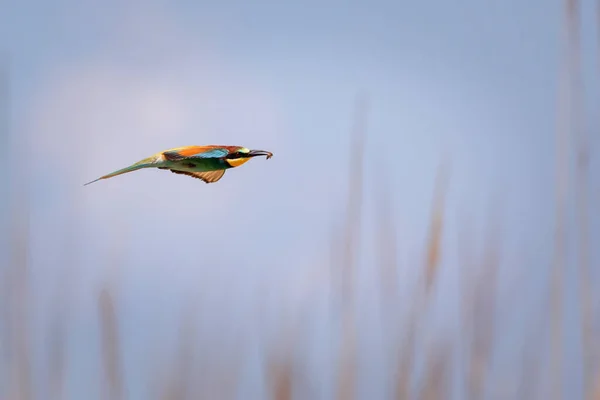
[255, 153]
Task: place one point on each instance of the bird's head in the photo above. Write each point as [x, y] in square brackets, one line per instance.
[241, 155]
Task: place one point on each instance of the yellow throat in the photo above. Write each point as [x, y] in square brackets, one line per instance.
[236, 162]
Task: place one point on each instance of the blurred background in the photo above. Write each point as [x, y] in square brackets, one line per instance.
[428, 227]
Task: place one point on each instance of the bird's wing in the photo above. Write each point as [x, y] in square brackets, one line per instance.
[195, 152]
[208, 177]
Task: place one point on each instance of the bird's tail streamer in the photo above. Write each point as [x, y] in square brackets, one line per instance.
[145, 163]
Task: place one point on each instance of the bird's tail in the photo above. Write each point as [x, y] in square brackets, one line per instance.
[145, 163]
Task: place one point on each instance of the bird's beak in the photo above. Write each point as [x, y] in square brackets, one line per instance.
[254, 153]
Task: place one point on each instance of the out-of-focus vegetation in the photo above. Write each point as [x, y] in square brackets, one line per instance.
[423, 363]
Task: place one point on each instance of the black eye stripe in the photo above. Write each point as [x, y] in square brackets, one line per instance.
[235, 155]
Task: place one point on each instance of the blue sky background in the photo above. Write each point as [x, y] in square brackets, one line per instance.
[96, 86]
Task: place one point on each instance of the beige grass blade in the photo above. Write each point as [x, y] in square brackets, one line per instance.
[354, 214]
[582, 146]
[346, 384]
[563, 143]
[111, 352]
[20, 380]
[483, 316]
[435, 229]
[280, 377]
[435, 384]
[18, 294]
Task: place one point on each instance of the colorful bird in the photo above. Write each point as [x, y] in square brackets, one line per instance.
[208, 163]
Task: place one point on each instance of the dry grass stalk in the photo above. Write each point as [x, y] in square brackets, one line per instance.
[483, 314]
[402, 389]
[4, 113]
[177, 387]
[529, 380]
[562, 184]
[467, 294]
[18, 294]
[435, 383]
[388, 265]
[351, 243]
[478, 297]
[223, 383]
[420, 299]
[353, 218]
[347, 370]
[596, 200]
[598, 37]
[598, 22]
[4, 261]
[387, 241]
[435, 229]
[57, 359]
[19, 297]
[110, 345]
[596, 387]
[582, 192]
[405, 368]
[281, 379]
[280, 357]
[282, 389]
[173, 390]
[4, 332]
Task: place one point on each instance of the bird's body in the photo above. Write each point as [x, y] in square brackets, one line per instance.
[207, 163]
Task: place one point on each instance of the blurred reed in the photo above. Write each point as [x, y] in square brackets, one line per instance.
[435, 385]
[179, 378]
[562, 182]
[280, 375]
[581, 192]
[4, 261]
[18, 300]
[16, 295]
[347, 360]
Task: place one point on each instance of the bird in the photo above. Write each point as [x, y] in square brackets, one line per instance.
[207, 163]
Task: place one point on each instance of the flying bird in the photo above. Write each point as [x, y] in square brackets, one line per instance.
[207, 163]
